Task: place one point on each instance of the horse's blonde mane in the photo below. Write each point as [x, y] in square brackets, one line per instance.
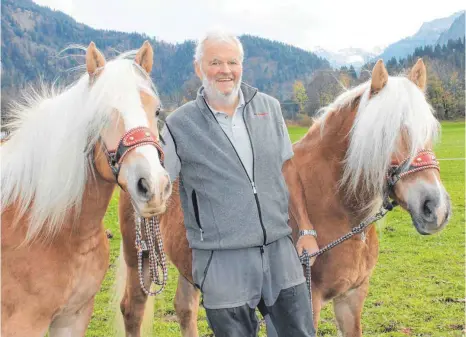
[46, 162]
[342, 102]
[399, 110]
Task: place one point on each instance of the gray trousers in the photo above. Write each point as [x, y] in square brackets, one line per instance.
[291, 316]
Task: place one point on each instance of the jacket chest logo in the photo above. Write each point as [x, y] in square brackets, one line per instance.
[262, 114]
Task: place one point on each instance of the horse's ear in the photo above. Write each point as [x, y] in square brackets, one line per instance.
[145, 57]
[94, 59]
[418, 74]
[379, 77]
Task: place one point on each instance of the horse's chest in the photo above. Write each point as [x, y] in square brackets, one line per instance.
[87, 271]
[347, 266]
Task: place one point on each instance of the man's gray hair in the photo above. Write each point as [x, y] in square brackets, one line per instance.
[219, 36]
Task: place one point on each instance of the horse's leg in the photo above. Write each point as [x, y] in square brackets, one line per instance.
[348, 309]
[134, 299]
[316, 306]
[72, 326]
[133, 303]
[186, 306]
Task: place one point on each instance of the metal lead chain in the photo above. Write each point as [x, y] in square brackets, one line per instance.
[305, 258]
[306, 261]
[157, 260]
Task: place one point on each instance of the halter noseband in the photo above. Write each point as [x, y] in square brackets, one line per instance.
[131, 140]
[425, 159]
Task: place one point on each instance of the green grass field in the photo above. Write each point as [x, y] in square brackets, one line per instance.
[418, 286]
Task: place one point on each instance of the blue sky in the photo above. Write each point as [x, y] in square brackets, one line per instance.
[329, 24]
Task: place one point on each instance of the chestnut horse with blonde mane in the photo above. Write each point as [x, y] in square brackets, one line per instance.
[57, 183]
[343, 162]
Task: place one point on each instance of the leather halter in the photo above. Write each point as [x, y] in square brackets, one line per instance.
[131, 140]
[425, 159]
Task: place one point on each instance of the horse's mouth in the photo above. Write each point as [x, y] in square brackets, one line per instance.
[428, 227]
[149, 212]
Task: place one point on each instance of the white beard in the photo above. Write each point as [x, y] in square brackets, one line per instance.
[217, 97]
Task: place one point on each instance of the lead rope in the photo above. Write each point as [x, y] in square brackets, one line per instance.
[305, 258]
[157, 260]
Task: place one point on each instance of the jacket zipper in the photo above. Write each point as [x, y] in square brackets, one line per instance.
[206, 269]
[256, 197]
[253, 179]
[196, 213]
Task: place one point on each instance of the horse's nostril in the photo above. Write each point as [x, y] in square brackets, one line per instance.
[143, 187]
[428, 208]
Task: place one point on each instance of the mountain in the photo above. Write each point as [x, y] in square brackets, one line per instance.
[32, 37]
[445, 75]
[355, 57]
[455, 32]
[428, 34]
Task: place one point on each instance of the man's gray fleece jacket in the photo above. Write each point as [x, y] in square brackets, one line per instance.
[223, 208]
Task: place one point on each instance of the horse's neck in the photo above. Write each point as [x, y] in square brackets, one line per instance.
[96, 198]
[321, 158]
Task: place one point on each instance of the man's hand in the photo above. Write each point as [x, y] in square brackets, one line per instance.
[309, 243]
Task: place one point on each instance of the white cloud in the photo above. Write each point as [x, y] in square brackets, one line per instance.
[331, 25]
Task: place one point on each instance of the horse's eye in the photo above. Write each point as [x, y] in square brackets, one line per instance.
[157, 112]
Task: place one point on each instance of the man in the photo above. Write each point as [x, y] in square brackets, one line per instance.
[232, 153]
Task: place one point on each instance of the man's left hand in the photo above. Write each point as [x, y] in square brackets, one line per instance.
[309, 243]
